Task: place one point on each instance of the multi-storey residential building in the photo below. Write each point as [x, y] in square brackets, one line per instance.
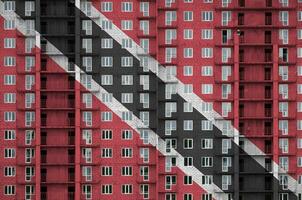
[150, 99]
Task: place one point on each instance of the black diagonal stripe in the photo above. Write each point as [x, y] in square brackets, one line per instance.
[254, 176]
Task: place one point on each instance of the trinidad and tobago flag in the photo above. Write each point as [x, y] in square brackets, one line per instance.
[179, 144]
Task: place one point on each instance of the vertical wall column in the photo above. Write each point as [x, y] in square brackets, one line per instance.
[38, 104]
[236, 114]
[275, 116]
[77, 104]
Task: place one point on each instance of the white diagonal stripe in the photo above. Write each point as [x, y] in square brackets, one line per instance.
[194, 99]
[118, 108]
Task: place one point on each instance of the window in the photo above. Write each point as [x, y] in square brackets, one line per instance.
[29, 136]
[29, 7]
[299, 124]
[283, 196]
[86, 7]
[144, 154]
[226, 145]
[207, 34]
[206, 161]
[207, 89]
[207, 16]
[127, 153]
[299, 34]
[188, 107]
[127, 24]
[29, 62]
[206, 143]
[106, 134]
[87, 63]
[207, 52]
[171, 34]
[299, 161]
[188, 161]
[9, 5]
[9, 189]
[188, 16]
[144, 26]
[86, 191]
[127, 80]
[188, 144]
[87, 136]
[106, 189]
[188, 52]
[126, 189]
[9, 135]
[299, 70]
[106, 61]
[106, 6]
[284, 163]
[299, 52]
[87, 118]
[144, 190]
[188, 180]
[170, 16]
[207, 71]
[106, 116]
[9, 61]
[106, 79]
[87, 173]
[107, 97]
[188, 88]
[9, 97]
[127, 97]
[206, 197]
[188, 34]
[299, 143]
[127, 134]
[9, 24]
[106, 153]
[226, 181]
[170, 53]
[283, 35]
[106, 24]
[106, 171]
[206, 125]
[107, 43]
[188, 196]
[188, 125]
[126, 171]
[9, 171]
[9, 116]
[9, 80]
[126, 61]
[170, 181]
[9, 153]
[225, 17]
[299, 18]
[283, 17]
[126, 7]
[87, 100]
[87, 45]
[144, 8]
[144, 172]
[225, 54]
[188, 70]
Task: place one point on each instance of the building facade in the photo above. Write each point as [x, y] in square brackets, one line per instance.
[151, 99]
